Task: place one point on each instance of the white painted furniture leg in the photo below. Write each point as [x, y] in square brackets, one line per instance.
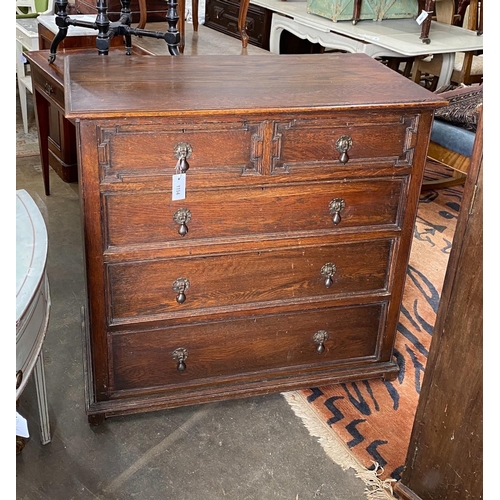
[41, 393]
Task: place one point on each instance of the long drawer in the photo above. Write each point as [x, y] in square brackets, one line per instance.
[150, 218]
[174, 287]
[258, 347]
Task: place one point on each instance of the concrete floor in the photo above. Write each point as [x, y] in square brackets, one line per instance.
[253, 448]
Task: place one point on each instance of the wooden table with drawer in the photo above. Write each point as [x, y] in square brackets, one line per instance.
[56, 134]
[284, 265]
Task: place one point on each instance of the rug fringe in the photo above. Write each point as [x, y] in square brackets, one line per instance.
[336, 449]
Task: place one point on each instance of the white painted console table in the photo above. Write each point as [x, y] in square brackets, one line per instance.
[387, 38]
[32, 302]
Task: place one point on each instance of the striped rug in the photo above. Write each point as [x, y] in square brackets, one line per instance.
[367, 425]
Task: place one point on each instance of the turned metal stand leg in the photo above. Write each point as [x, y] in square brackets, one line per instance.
[126, 19]
[102, 23]
[172, 20]
[61, 22]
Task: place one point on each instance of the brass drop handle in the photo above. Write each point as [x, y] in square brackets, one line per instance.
[180, 286]
[336, 206]
[48, 89]
[328, 270]
[343, 144]
[180, 355]
[182, 152]
[182, 216]
[320, 337]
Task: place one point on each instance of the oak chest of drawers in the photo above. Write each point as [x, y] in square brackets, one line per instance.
[283, 265]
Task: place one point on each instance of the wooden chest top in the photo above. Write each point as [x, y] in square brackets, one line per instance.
[102, 87]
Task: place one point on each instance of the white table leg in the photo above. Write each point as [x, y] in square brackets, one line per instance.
[41, 393]
[446, 69]
[22, 89]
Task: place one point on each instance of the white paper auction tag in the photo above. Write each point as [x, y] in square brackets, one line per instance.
[178, 186]
[422, 17]
[21, 426]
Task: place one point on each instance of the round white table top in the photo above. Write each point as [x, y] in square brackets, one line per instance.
[31, 250]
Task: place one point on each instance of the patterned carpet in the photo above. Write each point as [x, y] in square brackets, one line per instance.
[367, 425]
[26, 144]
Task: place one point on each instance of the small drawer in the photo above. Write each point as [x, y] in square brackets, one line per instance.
[27, 42]
[52, 90]
[140, 151]
[153, 218]
[195, 355]
[344, 141]
[176, 287]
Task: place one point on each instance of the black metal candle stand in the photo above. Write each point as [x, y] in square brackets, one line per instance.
[107, 30]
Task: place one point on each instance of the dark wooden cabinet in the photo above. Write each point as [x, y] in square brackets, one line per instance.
[445, 455]
[222, 15]
[156, 9]
[57, 136]
[284, 265]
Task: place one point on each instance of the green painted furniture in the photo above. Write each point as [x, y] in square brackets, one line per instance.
[343, 10]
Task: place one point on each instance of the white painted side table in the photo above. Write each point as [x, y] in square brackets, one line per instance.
[386, 38]
[26, 39]
[32, 302]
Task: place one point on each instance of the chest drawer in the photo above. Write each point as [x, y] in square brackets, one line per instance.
[136, 151]
[152, 218]
[348, 140]
[238, 148]
[150, 290]
[248, 348]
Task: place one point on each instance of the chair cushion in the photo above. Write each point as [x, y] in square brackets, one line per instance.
[463, 106]
[476, 66]
[452, 137]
